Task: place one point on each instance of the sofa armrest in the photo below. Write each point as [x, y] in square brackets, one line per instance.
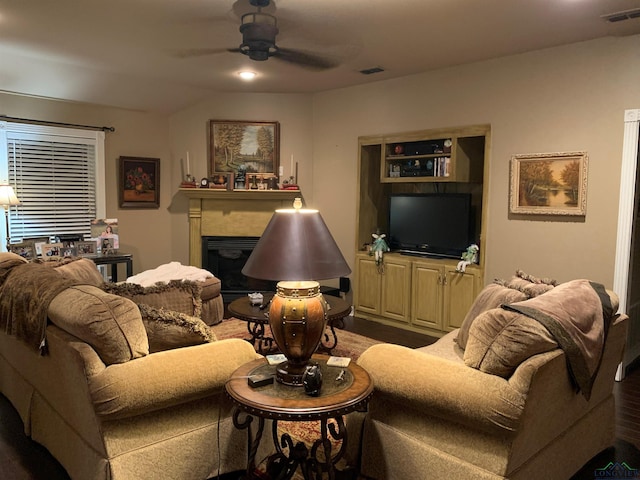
[167, 378]
[444, 388]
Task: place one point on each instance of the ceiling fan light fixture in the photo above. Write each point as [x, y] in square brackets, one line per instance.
[259, 32]
[259, 18]
[247, 75]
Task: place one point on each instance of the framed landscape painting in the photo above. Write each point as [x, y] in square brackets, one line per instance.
[549, 184]
[139, 182]
[247, 147]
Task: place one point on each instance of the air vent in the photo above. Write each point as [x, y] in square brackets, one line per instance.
[369, 71]
[622, 16]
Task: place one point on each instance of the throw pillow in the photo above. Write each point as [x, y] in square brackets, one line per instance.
[167, 329]
[491, 296]
[9, 259]
[500, 340]
[112, 325]
[529, 285]
[82, 270]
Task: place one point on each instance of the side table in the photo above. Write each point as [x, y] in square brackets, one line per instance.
[257, 318]
[113, 261]
[344, 390]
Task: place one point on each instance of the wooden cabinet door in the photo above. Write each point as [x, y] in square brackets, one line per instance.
[426, 289]
[366, 296]
[396, 289]
[460, 291]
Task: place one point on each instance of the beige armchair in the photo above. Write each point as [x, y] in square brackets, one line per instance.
[432, 416]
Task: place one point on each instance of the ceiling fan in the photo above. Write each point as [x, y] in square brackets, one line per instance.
[259, 31]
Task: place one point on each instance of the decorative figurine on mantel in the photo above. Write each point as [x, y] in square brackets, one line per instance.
[378, 248]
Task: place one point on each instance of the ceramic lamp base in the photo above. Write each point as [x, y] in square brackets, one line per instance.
[297, 318]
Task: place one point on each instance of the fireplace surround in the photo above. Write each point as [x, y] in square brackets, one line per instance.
[225, 257]
[237, 215]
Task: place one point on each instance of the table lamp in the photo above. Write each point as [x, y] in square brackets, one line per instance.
[296, 250]
[7, 199]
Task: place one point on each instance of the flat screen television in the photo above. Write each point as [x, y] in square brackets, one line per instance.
[433, 224]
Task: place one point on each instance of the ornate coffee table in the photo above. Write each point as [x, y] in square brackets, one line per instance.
[344, 390]
[257, 318]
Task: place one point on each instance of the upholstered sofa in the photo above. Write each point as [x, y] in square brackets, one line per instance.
[75, 362]
[503, 397]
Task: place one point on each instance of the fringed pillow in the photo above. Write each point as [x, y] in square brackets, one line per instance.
[167, 329]
[529, 285]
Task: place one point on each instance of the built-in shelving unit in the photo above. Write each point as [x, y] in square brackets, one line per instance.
[421, 294]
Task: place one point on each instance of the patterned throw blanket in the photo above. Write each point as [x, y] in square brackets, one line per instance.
[577, 314]
[25, 294]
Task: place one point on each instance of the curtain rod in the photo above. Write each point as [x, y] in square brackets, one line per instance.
[58, 124]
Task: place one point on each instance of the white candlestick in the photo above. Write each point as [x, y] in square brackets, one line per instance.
[188, 168]
[292, 164]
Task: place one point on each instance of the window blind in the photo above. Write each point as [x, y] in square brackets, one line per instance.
[58, 179]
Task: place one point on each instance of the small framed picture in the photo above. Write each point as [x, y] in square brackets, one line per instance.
[38, 242]
[26, 250]
[86, 248]
[139, 184]
[219, 181]
[52, 251]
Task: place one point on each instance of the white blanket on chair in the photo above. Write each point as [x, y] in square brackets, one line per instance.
[170, 271]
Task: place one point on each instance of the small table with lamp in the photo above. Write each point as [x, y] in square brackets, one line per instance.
[344, 390]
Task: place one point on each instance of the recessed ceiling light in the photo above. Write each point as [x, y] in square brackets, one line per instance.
[247, 75]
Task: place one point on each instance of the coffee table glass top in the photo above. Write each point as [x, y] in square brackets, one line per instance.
[283, 402]
[241, 308]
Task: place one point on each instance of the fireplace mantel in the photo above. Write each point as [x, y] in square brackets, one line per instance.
[232, 214]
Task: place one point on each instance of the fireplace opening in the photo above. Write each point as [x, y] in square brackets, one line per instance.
[225, 257]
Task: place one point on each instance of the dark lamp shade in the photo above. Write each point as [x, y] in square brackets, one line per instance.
[296, 245]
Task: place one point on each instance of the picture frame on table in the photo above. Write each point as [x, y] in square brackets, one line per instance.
[549, 184]
[243, 146]
[139, 182]
[52, 251]
[38, 242]
[26, 250]
[86, 249]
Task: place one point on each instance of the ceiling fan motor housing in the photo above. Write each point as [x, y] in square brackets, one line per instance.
[259, 32]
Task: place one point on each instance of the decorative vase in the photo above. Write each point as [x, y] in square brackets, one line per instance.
[297, 317]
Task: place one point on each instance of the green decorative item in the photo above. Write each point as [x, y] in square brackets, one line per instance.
[378, 248]
[468, 257]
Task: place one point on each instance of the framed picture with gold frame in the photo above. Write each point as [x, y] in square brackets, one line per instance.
[242, 146]
[549, 184]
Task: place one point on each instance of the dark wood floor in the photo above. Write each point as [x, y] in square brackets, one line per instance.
[23, 459]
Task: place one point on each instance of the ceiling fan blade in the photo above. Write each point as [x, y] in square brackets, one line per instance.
[200, 52]
[305, 59]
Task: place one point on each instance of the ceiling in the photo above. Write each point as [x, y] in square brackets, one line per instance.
[150, 55]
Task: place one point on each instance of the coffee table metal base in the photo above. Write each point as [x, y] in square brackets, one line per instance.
[290, 456]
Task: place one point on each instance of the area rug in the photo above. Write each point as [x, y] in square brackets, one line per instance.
[349, 344]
